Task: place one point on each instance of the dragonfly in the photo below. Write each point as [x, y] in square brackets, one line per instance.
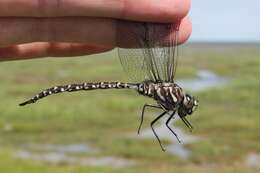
[151, 64]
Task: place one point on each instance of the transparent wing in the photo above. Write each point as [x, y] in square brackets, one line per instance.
[151, 52]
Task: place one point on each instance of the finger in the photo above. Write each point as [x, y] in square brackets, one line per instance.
[142, 10]
[185, 30]
[40, 49]
[94, 31]
[129, 33]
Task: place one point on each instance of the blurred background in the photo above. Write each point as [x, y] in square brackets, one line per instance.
[96, 131]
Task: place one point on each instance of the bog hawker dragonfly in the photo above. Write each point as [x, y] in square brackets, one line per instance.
[151, 63]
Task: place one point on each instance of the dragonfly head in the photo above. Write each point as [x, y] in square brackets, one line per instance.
[188, 105]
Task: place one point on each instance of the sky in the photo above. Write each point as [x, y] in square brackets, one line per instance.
[225, 20]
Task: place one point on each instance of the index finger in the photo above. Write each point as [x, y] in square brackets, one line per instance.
[141, 10]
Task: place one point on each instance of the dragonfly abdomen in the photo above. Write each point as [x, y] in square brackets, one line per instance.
[79, 87]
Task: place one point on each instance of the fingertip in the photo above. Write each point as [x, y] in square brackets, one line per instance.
[185, 8]
[185, 29]
[128, 34]
[166, 11]
[177, 10]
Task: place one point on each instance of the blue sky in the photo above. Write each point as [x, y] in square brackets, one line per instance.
[225, 20]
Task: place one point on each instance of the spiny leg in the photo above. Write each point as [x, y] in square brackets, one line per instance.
[142, 116]
[167, 125]
[187, 123]
[152, 123]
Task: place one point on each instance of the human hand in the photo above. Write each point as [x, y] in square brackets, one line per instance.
[65, 28]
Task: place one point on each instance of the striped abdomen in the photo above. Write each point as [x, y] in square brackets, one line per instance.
[166, 94]
[78, 87]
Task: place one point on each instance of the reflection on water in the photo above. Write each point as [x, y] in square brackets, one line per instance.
[67, 154]
[205, 80]
[71, 148]
[253, 160]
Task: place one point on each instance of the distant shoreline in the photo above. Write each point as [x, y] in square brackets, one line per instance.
[221, 43]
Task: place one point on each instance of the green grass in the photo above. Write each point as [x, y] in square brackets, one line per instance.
[227, 120]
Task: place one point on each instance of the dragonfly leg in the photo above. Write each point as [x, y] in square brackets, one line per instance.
[142, 116]
[167, 125]
[152, 123]
[187, 123]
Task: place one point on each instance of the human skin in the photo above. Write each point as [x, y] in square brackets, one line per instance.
[67, 28]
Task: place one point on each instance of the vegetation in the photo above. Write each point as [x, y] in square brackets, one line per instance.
[227, 120]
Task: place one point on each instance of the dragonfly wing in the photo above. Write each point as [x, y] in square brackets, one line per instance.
[149, 51]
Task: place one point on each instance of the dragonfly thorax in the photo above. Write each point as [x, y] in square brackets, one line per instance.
[168, 95]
